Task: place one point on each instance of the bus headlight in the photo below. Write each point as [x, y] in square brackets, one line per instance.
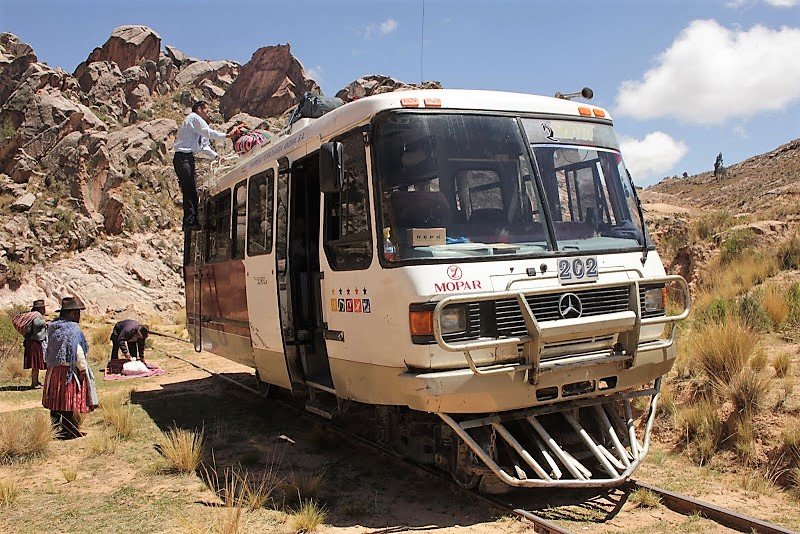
[654, 299]
[453, 319]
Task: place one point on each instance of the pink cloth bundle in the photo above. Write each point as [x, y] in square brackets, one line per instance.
[250, 140]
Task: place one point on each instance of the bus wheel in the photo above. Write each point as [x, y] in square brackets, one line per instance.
[263, 387]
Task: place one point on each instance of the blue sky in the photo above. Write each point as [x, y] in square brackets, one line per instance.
[684, 80]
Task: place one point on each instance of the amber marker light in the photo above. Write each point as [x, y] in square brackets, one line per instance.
[409, 102]
[586, 112]
[433, 103]
[421, 322]
[599, 112]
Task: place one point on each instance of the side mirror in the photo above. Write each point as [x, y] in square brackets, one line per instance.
[331, 172]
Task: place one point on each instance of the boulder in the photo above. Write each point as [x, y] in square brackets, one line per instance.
[15, 58]
[127, 46]
[140, 142]
[376, 84]
[177, 57]
[221, 73]
[24, 203]
[268, 84]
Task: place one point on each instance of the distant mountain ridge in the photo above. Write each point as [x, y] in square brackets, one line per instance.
[769, 181]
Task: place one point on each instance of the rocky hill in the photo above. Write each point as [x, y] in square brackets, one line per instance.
[89, 203]
[766, 182]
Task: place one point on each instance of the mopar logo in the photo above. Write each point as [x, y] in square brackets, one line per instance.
[569, 306]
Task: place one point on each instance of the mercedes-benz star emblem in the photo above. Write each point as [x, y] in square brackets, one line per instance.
[570, 306]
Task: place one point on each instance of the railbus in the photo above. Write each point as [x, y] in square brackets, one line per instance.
[465, 274]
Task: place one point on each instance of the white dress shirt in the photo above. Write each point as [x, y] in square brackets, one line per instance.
[194, 136]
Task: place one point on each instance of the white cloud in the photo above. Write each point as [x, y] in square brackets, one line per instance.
[380, 29]
[388, 26]
[735, 4]
[653, 156]
[711, 74]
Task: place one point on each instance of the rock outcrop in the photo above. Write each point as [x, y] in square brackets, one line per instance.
[377, 84]
[127, 46]
[268, 84]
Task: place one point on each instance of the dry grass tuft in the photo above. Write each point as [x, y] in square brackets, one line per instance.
[9, 491]
[644, 498]
[782, 364]
[102, 443]
[306, 486]
[703, 427]
[791, 442]
[100, 343]
[759, 361]
[11, 369]
[745, 441]
[118, 415]
[794, 482]
[722, 349]
[24, 435]
[70, 474]
[183, 449]
[748, 391]
[308, 517]
[776, 305]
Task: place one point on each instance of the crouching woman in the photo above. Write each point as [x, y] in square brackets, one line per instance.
[69, 387]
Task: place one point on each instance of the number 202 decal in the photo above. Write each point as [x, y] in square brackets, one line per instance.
[577, 269]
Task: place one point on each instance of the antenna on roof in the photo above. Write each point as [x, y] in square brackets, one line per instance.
[585, 93]
[422, 43]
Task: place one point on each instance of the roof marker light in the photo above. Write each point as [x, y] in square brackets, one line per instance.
[409, 102]
[586, 112]
[433, 103]
[599, 112]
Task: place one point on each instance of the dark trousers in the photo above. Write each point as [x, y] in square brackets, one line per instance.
[184, 167]
[65, 424]
[133, 349]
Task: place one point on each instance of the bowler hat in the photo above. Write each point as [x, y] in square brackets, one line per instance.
[38, 303]
[71, 303]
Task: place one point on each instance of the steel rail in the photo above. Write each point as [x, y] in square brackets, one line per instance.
[677, 502]
[685, 505]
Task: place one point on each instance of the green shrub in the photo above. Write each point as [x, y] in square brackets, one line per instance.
[752, 313]
[737, 242]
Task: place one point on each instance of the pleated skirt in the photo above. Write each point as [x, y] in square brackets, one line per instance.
[33, 357]
[59, 396]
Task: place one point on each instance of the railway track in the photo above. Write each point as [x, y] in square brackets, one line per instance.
[677, 502]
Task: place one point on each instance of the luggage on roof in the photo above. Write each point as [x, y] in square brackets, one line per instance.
[314, 106]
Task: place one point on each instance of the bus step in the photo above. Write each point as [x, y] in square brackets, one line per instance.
[322, 409]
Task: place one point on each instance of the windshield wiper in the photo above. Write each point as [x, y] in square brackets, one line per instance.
[641, 220]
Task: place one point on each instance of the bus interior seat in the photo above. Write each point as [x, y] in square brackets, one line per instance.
[420, 209]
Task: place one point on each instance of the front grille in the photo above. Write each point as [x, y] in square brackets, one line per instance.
[503, 317]
[508, 316]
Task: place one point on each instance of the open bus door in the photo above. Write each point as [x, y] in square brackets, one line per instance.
[262, 282]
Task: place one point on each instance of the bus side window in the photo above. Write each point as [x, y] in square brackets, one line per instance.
[218, 236]
[259, 213]
[348, 239]
[239, 220]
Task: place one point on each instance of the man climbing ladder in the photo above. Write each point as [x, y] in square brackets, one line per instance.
[193, 137]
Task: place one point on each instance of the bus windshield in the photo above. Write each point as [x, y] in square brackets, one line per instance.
[588, 189]
[460, 186]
